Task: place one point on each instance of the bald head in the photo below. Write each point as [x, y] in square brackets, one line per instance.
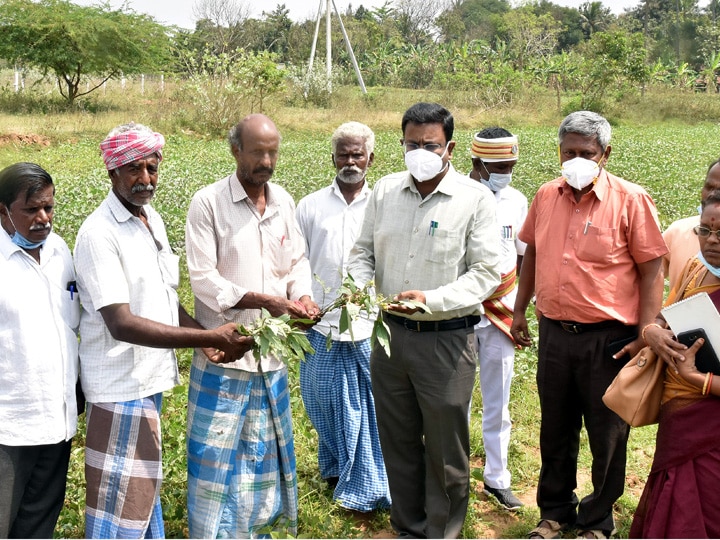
[251, 126]
[254, 143]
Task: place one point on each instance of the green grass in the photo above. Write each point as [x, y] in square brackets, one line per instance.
[669, 160]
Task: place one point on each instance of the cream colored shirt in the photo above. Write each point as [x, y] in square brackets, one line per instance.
[445, 245]
[233, 250]
[682, 244]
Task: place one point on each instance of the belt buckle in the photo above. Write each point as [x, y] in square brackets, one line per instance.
[572, 327]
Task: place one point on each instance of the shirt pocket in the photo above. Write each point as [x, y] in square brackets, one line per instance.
[444, 247]
[595, 245]
[169, 264]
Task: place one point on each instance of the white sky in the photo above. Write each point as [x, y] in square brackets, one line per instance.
[180, 12]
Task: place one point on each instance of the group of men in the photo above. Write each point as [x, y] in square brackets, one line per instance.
[392, 428]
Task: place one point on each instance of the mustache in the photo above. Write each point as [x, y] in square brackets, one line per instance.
[137, 188]
[40, 226]
[351, 169]
[268, 170]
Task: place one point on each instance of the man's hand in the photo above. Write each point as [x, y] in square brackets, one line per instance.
[311, 308]
[418, 296]
[519, 330]
[230, 345]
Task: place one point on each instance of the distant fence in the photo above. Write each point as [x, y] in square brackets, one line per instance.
[19, 80]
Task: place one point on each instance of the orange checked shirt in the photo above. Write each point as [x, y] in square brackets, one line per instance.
[587, 252]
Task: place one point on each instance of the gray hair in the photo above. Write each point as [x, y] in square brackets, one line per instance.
[235, 136]
[353, 130]
[587, 124]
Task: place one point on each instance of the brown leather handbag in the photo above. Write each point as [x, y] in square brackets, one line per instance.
[636, 392]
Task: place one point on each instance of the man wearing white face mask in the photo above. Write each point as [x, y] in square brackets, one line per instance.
[494, 153]
[593, 260]
[429, 234]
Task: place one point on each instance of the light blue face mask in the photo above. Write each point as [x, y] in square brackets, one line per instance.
[714, 270]
[496, 181]
[20, 241]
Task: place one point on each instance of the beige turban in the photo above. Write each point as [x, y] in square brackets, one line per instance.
[500, 149]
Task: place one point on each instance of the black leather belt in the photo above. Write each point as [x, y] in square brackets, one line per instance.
[578, 327]
[433, 326]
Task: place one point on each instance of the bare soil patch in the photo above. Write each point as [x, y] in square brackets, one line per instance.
[24, 139]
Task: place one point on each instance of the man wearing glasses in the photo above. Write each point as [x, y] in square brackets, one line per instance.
[429, 235]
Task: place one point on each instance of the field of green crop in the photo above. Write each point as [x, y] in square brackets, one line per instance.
[668, 160]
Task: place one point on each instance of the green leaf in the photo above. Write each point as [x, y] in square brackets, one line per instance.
[381, 335]
[414, 304]
[328, 341]
[344, 319]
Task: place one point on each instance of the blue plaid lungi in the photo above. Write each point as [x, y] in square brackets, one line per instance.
[241, 460]
[123, 469]
[337, 394]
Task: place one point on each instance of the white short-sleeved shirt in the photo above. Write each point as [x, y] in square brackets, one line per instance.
[330, 226]
[38, 344]
[119, 261]
[233, 250]
[512, 208]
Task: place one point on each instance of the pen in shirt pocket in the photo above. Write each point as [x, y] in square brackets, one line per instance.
[72, 287]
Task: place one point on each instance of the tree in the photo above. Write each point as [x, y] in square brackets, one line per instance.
[530, 36]
[595, 17]
[72, 43]
[221, 21]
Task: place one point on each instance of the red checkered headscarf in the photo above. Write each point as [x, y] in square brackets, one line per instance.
[129, 143]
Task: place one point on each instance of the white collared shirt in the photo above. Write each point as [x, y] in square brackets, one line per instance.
[330, 226]
[512, 208]
[38, 344]
[119, 261]
[233, 250]
[445, 244]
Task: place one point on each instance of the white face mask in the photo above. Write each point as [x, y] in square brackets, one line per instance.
[423, 164]
[495, 181]
[580, 172]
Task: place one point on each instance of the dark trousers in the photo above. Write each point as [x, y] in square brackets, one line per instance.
[574, 370]
[32, 489]
[422, 396]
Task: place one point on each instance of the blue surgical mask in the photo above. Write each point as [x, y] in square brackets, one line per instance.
[496, 181]
[22, 242]
[714, 270]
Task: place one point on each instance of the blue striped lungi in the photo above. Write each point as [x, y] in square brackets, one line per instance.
[241, 460]
[337, 394]
[123, 469]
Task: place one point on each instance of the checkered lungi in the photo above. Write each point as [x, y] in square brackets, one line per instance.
[337, 394]
[123, 469]
[241, 460]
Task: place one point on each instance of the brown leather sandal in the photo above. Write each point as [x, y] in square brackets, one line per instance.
[547, 528]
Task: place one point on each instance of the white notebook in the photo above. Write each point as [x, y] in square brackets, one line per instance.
[697, 311]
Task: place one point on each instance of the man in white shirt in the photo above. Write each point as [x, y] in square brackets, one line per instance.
[131, 322]
[429, 235]
[494, 154]
[40, 312]
[335, 383]
[245, 252]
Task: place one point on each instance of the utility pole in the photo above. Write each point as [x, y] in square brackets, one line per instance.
[328, 45]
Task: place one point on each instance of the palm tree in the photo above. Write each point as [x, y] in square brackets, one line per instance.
[595, 17]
